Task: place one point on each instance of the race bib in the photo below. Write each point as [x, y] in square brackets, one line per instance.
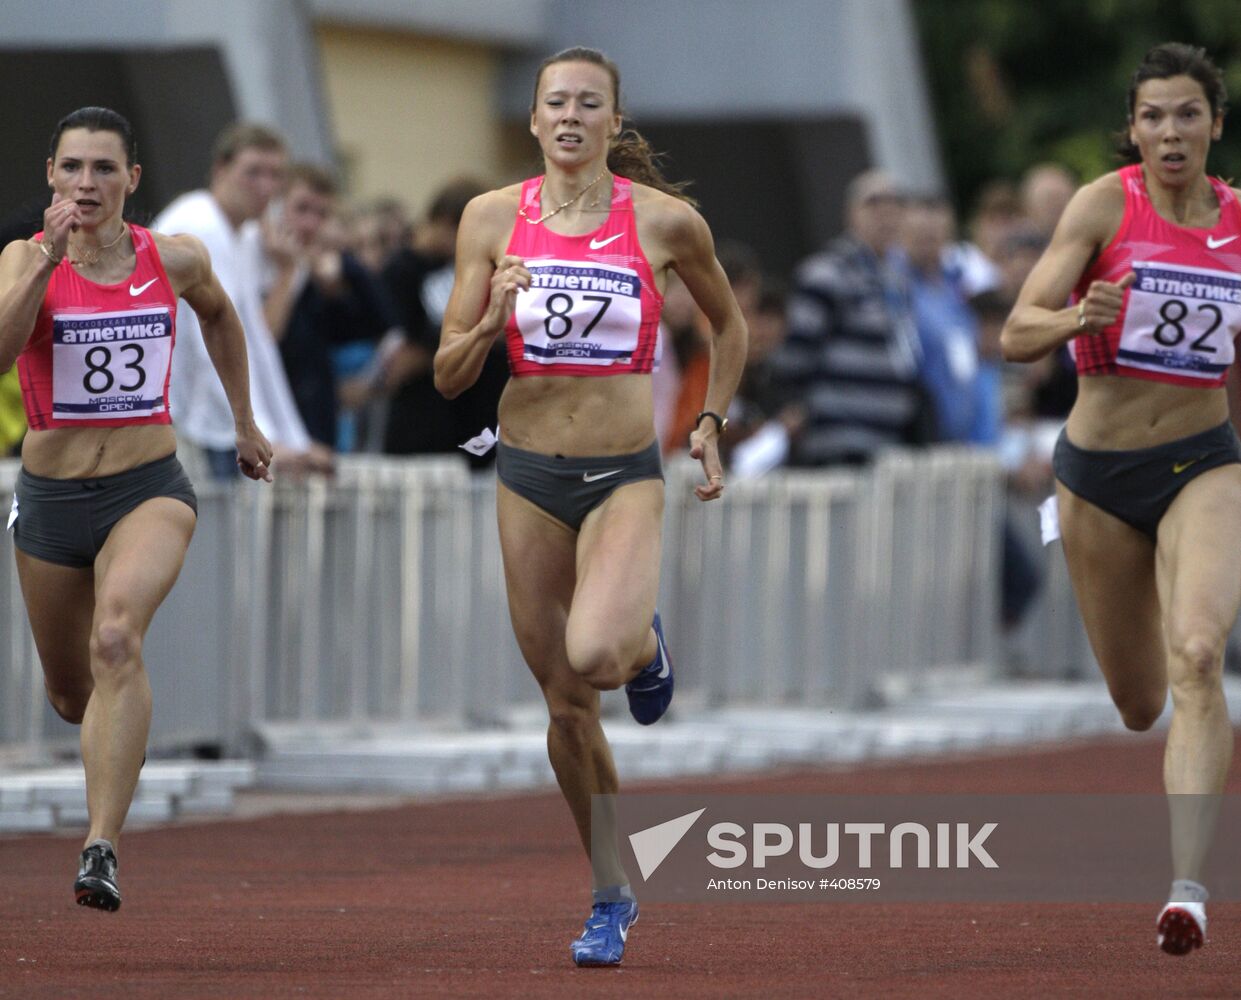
[1181, 320]
[580, 313]
[109, 366]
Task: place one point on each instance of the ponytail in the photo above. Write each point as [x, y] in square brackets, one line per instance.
[631, 156]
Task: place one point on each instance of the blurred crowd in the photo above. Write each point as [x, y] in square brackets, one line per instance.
[890, 335]
[887, 336]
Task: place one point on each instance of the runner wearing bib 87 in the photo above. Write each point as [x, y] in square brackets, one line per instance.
[571, 267]
[1149, 480]
[103, 513]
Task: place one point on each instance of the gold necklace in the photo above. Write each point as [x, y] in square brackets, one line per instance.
[556, 211]
[90, 256]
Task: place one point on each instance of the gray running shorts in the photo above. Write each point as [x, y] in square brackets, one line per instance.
[1138, 486]
[66, 521]
[570, 488]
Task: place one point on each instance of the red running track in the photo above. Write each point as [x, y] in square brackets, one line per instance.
[480, 898]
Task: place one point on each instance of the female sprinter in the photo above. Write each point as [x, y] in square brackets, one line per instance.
[1149, 485]
[570, 267]
[102, 512]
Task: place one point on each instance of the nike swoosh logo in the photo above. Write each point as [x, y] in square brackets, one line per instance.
[141, 288]
[1180, 467]
[1214, 244]
[600, 244]
[624, 932]
[663, 658]
[588, 478]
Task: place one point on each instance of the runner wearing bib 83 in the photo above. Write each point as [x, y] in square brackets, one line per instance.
[570, 268]
[1148, 467]
[103, 513]
[100, 355]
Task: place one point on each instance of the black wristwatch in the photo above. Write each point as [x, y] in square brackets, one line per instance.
[721, 423]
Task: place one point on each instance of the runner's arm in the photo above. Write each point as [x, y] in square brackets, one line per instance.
[484, 295]
[24, 274]
[1041, 321]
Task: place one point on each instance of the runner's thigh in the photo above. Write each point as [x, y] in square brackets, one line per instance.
[141, 559]
[538, 553]
[60, 603]
[618, 556]
[1112, 567]
[1199, 556]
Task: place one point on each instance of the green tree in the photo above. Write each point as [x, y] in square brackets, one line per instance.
[1016, 83]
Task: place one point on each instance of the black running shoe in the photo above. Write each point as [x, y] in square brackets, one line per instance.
[95, 885]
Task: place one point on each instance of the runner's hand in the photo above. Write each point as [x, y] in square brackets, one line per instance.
[62, 217]
[1102, 303]
[510, 277]
[253, 453]
[704, 445]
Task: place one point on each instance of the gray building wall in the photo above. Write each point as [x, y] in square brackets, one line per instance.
[179, 69]
[267, 48]
[784, 59]
[772, 105]
[706, 60]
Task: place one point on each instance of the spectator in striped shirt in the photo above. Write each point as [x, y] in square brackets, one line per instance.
[851, 356]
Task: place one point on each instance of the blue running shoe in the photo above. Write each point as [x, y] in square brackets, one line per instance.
[603, 940]
[650, 693]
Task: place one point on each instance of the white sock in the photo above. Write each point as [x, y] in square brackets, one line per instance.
[1186, 890]
[614, 894]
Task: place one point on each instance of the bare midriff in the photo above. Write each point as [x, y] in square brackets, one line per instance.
[84, 452]
[1114, 413]
[578, 416]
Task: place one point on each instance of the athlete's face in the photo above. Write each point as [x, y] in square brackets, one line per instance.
[92, 169]
[574, 116]
[1173, 129]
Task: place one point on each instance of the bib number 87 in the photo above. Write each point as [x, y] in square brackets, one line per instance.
[1171, 331]
[98, 360]
[560, 317]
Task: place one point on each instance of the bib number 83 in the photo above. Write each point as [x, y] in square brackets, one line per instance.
[98, 359]
[1171, 331]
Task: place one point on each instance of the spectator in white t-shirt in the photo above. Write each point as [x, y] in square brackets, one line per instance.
[247, 171]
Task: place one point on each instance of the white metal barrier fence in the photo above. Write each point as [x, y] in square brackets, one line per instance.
[379, 596]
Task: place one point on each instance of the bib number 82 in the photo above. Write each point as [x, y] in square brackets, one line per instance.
[98, 359]
[1172, 331]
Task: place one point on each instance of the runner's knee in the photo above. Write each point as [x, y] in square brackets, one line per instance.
[1140, 712]
[69, 705]
[572, 720]
[1196, 661]
[115, 644]
[598, 662]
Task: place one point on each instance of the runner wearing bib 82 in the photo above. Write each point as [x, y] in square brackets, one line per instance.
[1148, 465]
[1183, 310]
